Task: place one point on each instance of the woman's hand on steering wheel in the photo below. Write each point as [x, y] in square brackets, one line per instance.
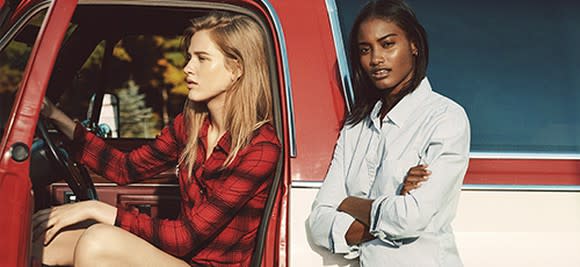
[47, 108]
[63, 122]
[76, 175]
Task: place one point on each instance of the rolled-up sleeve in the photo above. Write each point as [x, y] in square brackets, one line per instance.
[447, 154]
[340, 226]
[128, 167]
[327, 226]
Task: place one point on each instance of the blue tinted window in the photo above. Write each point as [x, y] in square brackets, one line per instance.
[514, 67]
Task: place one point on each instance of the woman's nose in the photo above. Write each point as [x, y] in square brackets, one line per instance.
[377, 58]
[188, 68]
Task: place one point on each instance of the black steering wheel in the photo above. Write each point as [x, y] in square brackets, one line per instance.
[75, 175]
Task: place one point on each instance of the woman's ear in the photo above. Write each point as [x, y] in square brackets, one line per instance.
[414, 49]
[237, 70]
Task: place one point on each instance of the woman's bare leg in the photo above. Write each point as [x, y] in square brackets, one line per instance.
[60, 251]
[107, 245]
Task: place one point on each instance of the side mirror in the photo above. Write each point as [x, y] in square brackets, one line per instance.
[108, 123]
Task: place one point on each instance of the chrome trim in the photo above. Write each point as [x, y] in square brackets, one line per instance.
[510, 155]
[128, 185]
[306, 184]
[161, 3]
[465, 187]
[343, 67]
[287, 81]
[533, 188]
[472, 187]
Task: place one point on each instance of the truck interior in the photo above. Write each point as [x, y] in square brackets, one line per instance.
[131, 56]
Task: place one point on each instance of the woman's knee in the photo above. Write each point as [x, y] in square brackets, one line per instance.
[59, 251]
[95, 243]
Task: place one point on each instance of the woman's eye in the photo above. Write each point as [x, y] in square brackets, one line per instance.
[364, 50]
[388, 44]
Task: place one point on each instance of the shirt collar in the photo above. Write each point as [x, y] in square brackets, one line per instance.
[375, 120]
[402, 110]
[223, 144]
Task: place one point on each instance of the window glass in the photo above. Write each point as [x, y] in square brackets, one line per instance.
[144, 72]
[13, 60]
[512, 66]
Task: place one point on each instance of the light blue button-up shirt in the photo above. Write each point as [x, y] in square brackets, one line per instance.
[371, 161]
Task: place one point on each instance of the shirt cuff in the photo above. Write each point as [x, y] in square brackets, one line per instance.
[125, 217]
[375, 223]
[76, 145]
[340, 226]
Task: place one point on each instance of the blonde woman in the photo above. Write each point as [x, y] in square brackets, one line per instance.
[226, 149]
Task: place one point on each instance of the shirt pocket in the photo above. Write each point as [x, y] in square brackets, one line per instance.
[390, 176]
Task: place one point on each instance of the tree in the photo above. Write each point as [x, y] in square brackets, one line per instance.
[136, 120]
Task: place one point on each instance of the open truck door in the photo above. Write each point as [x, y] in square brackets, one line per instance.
[15, 186]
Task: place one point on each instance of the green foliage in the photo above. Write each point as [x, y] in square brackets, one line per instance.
[136, 120]
[95, 59]
[14, 57]
[147, 72]
[13, 61]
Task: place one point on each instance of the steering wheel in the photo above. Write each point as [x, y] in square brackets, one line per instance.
[75, 175]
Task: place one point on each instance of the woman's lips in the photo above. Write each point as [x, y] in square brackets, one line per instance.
[190, 84]
[380, 73]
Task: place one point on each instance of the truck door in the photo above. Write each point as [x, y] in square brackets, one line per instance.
[28, 48]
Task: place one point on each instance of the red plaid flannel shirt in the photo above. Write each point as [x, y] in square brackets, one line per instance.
[220, 209]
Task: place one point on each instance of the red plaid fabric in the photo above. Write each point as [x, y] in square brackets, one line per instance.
[220, 208]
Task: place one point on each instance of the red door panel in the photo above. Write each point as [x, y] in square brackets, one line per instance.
[15, 187]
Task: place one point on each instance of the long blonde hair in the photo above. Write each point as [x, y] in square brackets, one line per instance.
[248, 102]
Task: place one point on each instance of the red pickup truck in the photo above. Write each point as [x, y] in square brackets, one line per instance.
[116, 65]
